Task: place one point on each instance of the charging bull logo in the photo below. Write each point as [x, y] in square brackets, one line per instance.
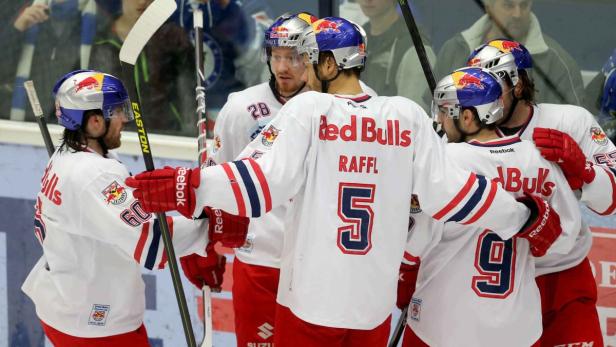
[269, 135]
[324, 25]
[598, 136]
[463, 80]
[114, 194]
[505, 46]
[279, 32]
[93, 82]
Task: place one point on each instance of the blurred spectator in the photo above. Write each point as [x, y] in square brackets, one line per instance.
[233, 36]
[392, 66]
[164, 72]
[350, 9]
[601, 97]
[52, 37]
[518, 20]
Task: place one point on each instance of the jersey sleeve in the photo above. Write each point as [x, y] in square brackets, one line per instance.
[114, 216]
[452, 194]
[564, 202]
[599, 195]
[252, 187]
[422, 234]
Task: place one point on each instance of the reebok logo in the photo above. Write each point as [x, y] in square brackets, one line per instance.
[265, 331]
[217, 221]
[180, 185]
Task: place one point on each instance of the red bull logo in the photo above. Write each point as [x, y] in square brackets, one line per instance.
[598, 136]
[89, 83]
[506, 46]
[114, 194]
[279, 32]
[465, 80]
[325, 25]
[474, 62]
[269, 135]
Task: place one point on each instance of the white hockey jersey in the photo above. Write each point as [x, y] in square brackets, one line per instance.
[95, 236]
[350, 164]
[245, 120]
[599, 195]
[473, 288]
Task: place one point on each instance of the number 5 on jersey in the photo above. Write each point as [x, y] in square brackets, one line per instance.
[354, 210]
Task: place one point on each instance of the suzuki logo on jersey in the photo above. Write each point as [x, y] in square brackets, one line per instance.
[368, 131]
[266, 331]
[114, 193]
[48, 187]
[511, 179]
[180, 184]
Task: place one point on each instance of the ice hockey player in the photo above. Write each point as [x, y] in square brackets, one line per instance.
[587, 157]
[349, 164]
[87, 286]
[244, 117]
[471, 283]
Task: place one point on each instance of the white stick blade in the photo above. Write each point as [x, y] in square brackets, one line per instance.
[151, 19]
[34, 100]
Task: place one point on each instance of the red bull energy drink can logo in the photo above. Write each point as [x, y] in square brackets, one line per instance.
[505, 46]
[465, 80]
[325, 25]
[94, 82]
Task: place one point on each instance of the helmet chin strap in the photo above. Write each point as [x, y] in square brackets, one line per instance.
[324, 83]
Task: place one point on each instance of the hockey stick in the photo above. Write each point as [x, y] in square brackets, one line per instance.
[418, 43]
[411, 25]
[207, 340]
[395, 337]
[152, 19]
[40, 117]
[505, 32]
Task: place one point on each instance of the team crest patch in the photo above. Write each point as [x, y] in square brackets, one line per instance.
[269, 135]
[114, 193]
[598, 136]
[415, 309]
[98, 316]
[248, 245]
[217, 144]
[415, 208]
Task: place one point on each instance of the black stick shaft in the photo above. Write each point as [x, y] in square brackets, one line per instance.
[128, 71]
[395, 338]
[418, 43]
[42, 123]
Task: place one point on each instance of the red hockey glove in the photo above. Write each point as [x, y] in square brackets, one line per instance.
[166, 189]
[406, 284]
[230, 230]
[205, 270]
[542, 227]
[559, 147]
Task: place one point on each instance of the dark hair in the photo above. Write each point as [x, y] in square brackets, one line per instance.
[356, 71]
[75, 140]
[528, 90]
[476, 119]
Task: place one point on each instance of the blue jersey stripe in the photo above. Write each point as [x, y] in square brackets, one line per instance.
[150, 261]
[472, 202]
[253, 196]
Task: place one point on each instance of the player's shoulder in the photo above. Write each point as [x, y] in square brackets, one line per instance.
[87, 165]
[308, 99]
[571, 114]
[405, 106]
